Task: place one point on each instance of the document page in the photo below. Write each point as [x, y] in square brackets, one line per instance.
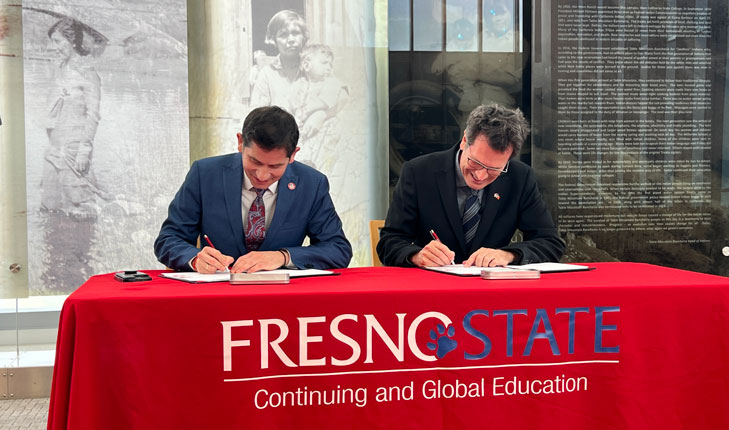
[457, 269]
[552, 267]
[197, 278]
[302, 273]
[201, 278]
[461, 270]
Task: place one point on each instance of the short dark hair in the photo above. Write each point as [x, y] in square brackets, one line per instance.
[505, 128]
[271, 128]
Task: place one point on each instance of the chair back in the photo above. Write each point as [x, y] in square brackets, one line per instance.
[375, 227]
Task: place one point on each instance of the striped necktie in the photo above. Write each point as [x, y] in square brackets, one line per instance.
[471, 218]
[256, 225]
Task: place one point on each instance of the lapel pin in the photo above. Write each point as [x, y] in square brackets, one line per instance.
[497, 196]
[292, 186]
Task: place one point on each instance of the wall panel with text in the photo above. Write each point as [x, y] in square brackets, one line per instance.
[629, 111]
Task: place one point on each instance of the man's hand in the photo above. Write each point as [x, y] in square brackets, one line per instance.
[487, 257]
[210, 260]
[434, 254]
[259, 260]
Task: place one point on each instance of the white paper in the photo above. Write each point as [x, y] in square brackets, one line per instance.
[296, 273]
[552, 267]
[457, 269]
[225, 276]
[197, 277]
[460, 269]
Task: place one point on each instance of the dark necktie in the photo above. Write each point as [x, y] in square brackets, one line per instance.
[471, 218]
[256, 225]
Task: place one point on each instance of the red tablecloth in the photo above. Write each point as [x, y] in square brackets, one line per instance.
[623, 346]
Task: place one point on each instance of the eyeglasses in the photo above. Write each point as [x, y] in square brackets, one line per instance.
[477, 165]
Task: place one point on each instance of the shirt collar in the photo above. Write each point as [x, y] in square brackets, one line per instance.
[460, 181]
[247, 185]
[278, 66]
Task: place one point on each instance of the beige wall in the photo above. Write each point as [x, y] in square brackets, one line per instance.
[13, 236]
[218, 43]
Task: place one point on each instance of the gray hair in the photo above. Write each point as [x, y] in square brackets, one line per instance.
[505, 128]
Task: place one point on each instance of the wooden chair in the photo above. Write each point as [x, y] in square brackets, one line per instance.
[375, 227]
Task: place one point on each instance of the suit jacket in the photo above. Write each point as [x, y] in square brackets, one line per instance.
[425, 199]
[209, 202]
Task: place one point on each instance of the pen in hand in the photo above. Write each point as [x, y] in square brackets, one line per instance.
[207, 239]
[435, 237]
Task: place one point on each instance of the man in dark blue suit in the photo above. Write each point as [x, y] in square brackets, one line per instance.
[465, 204]
[255, 206]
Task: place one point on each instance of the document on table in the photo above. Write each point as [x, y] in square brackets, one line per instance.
[553, 267]
[202, 278]
[461, 270]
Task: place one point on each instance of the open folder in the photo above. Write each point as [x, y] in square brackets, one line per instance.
[461, 270]
[201, 278]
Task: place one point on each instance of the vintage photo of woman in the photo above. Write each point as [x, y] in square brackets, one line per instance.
[103, 84]
[68, 185]
[302, 70]
[300, 79]
[69, 194]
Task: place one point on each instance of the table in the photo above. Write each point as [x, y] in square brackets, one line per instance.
[626, 345]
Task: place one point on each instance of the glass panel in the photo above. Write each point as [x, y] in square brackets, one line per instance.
[462, 25]
[432, 93]
[398, 25]
[428, 25]
[8, 333]
[630, 124]
[498, 25]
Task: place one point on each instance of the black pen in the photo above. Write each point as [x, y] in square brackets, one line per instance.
[435, 237]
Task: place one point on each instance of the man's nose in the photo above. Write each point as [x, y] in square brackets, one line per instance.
[481, 174]
[263, 174]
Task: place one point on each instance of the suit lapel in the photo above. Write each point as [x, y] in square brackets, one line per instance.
[490, 204]
[232, 189]
[284, 204]
[446, 179]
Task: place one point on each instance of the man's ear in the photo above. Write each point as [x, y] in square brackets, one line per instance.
[291, 159]
[240, 142]
[463, 142]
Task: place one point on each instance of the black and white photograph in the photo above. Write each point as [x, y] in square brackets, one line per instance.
[104, 82]
[314, 59]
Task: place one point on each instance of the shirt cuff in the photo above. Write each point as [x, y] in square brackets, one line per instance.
[290, 260]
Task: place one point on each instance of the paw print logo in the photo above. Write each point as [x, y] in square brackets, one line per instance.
[442, 343]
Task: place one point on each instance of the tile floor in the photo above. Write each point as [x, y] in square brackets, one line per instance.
[26, 414]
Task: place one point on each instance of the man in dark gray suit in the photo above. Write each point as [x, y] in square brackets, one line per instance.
[465, 204]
